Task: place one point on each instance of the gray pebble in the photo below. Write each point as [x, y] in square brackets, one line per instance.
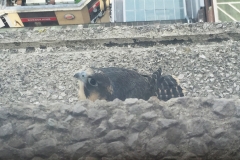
[78, 109]
[172, 150]
[119, 119]
[96, 115]
[132, 139]
[115, 148]
[156, 145]
[197, 147]
[166, 123]
[101, 150]
[174, 135]
[81, 133]
[76, 146]
[114, 135]
[195, 127]
[6, 130]
[149, 115]
[224, 108]
[102, 129]
[45, 147]
[140, 126]
[52, 122]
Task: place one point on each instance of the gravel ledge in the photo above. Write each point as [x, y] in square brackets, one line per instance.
[164, 33]
[183, 128]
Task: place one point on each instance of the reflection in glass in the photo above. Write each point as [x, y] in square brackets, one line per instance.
[129, 4]
[150, 16]
[140, 15]
[130, 16]
[169, 14]
[140, 4]
[150, 10]
[159, 4]
[168, 4]
[149, 4]
[178, 3]
[160, 14]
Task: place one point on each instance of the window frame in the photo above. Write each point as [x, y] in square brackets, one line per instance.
[155, 16]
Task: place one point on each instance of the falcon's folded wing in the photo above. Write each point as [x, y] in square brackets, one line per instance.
[166, 86]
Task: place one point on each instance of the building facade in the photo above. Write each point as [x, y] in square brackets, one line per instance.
[154, 10]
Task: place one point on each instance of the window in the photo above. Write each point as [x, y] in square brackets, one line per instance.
[150, 10]
[227, 10]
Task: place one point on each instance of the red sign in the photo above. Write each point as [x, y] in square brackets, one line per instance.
[39, 19]
[94, 6]
[69, 16]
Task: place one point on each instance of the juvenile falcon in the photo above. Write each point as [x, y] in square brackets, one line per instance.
[110, 83]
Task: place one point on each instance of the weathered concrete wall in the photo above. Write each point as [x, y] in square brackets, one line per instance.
[67, 35]
[184, 128]
[39, 117]
[197, 32]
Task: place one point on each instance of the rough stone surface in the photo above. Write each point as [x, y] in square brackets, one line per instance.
[224, 107]
[156, 145]
[81, 133]
[6, 130]
[114, 135]
[41, 118]
[194, 131]
[96, 115]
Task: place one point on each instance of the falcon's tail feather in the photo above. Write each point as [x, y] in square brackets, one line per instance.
[166, 86]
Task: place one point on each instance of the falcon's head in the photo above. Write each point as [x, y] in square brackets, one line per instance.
[93, 84]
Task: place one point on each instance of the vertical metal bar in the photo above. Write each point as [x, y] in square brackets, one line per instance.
[185, 10]
[174, 7]
[164, 10]
[210, 7]
[154, 11]
[1, 4]
[112, 10]
[197, 9]
[207, 9]
[4, 3]
[145, 17]
[135, 16]
[192, 8]
[124, 11]
[214, 11]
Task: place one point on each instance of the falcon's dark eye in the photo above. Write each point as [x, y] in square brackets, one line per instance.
[92, 81]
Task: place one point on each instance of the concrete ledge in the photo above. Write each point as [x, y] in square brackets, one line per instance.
[184, 128]
[165, 33]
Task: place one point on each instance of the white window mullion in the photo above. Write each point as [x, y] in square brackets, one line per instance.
[155, 17]
[113, 11]
[145, 17]
[164, 10]
[174, 8]
[192, 8]
[185, 9]
[124, 11]
[215, 10]
[135, 16]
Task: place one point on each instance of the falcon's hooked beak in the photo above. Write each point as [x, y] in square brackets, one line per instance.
[82, 76]
[77, 75]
